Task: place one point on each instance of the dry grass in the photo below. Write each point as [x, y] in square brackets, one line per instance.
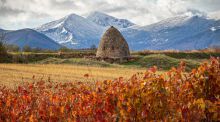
[13, 74]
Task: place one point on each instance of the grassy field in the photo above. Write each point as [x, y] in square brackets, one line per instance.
[163, 62]
[72, 66]
[13, 74]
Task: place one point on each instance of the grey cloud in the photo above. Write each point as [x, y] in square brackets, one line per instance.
[114, 9]
[208, 5]
[121, 9]
[6, 11]
[3, 1]
[38, 15]
[67, 4]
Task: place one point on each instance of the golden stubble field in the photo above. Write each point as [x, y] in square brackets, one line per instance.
[13, 74]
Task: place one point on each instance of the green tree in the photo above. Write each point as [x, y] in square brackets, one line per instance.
[12, 48]
[26, 48]
[3, 52]
[64, 49]
[2, 48]
[93, 47]
[37, 50]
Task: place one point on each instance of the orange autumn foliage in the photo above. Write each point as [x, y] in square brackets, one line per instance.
[172, 96]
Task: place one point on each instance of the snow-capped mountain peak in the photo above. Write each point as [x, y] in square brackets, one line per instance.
[72, 31]
[58, 23]
[105, 20]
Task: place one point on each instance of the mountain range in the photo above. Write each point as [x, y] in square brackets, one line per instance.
[183, 32]
[178, 33]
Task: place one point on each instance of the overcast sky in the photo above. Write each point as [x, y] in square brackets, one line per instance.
[17, 14]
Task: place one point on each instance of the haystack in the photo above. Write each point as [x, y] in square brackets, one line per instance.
[113, 45]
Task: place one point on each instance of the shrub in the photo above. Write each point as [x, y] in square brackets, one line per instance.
[3, 52]
[12, 48]
[93, 47]
[2, 49]
[26, 48]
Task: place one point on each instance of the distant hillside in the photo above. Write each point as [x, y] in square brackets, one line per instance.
[31, 38]
[1, 30]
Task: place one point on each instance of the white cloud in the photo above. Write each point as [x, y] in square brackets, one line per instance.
[215, 15]
[15, 14]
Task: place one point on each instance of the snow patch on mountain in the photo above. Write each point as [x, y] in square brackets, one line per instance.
[213, 29]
